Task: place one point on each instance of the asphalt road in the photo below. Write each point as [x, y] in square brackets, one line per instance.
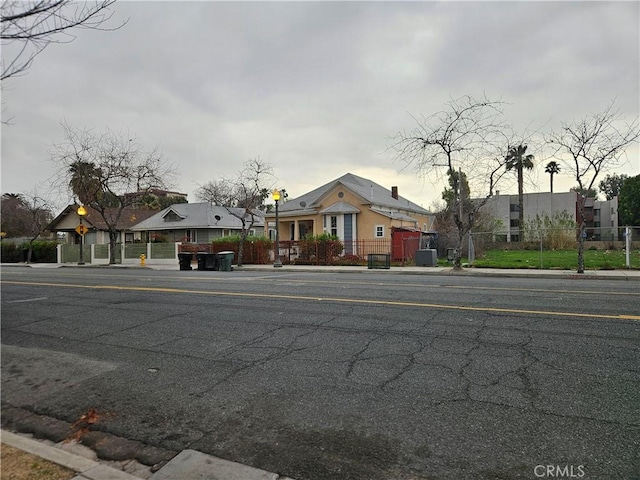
[337, 376]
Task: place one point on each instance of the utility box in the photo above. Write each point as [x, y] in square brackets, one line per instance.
[427, 258]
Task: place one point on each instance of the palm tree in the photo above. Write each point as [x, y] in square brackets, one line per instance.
[518, 160]
[552, 168]
[85, 181]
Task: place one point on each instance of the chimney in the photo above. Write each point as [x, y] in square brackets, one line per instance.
[394, 192]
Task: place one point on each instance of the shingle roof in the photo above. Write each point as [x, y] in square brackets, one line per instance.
[340, 207]
[197, 215]
[128, 217]
[370, 192]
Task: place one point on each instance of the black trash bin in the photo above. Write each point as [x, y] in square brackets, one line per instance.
[184, 259]
[201, 258]
[207, 261]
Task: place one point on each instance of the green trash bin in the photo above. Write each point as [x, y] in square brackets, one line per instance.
[225, 259]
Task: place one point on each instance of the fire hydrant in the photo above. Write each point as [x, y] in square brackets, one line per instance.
[143, 257]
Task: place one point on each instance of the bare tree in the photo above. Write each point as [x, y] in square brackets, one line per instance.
[35, 24]
[242, 196]
[26, 215]
[104, 169]
[589, 147]
[465, 139]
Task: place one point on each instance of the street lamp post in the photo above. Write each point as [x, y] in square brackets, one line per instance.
[277, 263]
[81, 213]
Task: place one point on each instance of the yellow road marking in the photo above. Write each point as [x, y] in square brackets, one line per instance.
[384, 284]
[331, 299]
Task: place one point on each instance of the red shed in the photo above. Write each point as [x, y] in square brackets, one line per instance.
[405, 241]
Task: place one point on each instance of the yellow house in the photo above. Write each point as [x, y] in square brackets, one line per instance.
[352, 208]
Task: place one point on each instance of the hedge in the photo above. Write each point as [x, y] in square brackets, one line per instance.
[43, 251]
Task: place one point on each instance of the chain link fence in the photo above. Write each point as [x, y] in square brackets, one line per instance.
[623, 242]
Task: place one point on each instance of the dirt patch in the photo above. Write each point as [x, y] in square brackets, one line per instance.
[19, 465]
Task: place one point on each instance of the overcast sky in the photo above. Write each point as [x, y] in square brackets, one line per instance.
[317, 89]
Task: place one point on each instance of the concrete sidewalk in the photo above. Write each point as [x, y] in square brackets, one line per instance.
[187, 465]
[632, 275]
[472, 271]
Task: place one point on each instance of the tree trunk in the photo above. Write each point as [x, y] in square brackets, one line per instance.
[581, 234]
[520, 205]
[457, 259]
[113, 238]
[583, 229]
[243, 236]
[551, 175]
[29, 252]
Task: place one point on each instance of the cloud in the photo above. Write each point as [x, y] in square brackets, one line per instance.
[317, 88]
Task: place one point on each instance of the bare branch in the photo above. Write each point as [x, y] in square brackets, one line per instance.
[466, 139]
[243, 196]
[38, 23]
[589, 147]
[107, 171]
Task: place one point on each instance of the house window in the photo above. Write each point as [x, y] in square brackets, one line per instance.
[379, 232]
[514, 207]
[514, 222]
[172, 217]
[190, 236]
[334, 225]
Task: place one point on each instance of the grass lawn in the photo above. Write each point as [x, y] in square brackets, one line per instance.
[556, 259]
[20, 465]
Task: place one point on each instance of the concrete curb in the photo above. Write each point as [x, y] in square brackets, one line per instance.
[87, 469]
[187, 465]
[626, 275]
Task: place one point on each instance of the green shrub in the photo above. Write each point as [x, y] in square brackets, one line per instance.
[320, 249]
[11, 253]
[43, 251]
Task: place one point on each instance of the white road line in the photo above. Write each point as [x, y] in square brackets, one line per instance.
[28, 300]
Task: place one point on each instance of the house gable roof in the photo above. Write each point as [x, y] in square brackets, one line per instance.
[196, 216]
[340, 207]
[93, 219]
[370, 192]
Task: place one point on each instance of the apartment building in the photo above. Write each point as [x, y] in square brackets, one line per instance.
[601, 216]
